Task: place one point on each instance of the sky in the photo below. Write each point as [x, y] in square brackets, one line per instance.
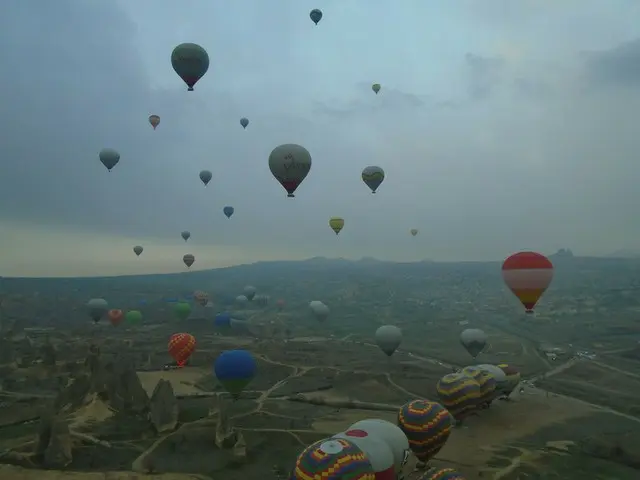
[501, 126]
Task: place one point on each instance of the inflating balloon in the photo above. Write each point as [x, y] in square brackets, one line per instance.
[205, 176]
[427, 425]
[228, 211]
[115, 316]
[376, 449]
[373, 177]
[290, 164]
[388, 338]
[473, 340]
[458, 393]
[249, 292]
[376, 88]
[315, 15]
[188, 259]
[234, 369]
[137, 250]
[109, 157]
[487, 382]
[336, 224]
[190, 62]
[186, 235]
[181, 346]
[332, 459]
[244, 122]
[392, 435]
[97, 307]
[528, 275]
[154, 120]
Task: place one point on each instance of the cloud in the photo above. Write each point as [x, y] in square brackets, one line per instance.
[616, 67]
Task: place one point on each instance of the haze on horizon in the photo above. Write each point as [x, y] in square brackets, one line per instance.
[501, 126]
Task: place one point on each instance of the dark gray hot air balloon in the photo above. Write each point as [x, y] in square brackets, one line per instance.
[205, 176]
[97, 308]
[188, 259]
[249, 292]
[290, 164]
[315, 15]
[373, 176]
[138, 250]
[190, 62]
[228, 211]
[473, 340]
[109, 157]
[186, 235]
[388, 338]
[244, 122]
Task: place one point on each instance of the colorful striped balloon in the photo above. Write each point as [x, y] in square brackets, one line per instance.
[528, 275]
[427, 425]
[442, 474]
[513, 378]
[332, 459]
[487, 382]
[459, 393]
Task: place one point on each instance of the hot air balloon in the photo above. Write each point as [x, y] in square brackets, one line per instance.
[205, 176]
[392, 435]
[115, 316]
[181, 346]
[234, 369]
[373, 177]
[319, 310]
[154, 120]
[413, 232]
[137, 250]
[244, 122]
[290, 164]
[97, 308]
[201, 298]
[228, 211]
[262, 300]
[458, 393]
[473, 340]
[222, 320]
[388, 338]
[427, 425]
[280, 304]
[376, 449]
[528, 275]
[190, 62]
[249, 292]
[487, 384]
[315, 15]
[188, 259]
[332, 459]
[241, 300]
[186, 235]
[182, 310]
[513, 379]
[376, 88]
[109, 157]
[133, 317]
[336, 224]
[442, 474]
[502, 384]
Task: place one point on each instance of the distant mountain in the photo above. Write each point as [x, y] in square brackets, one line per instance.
[624, 253]
[562, 253]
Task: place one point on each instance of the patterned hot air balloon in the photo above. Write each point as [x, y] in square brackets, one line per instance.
[332, 459]
[427, 425]
[201, 298]
[458, 393]
[336, 224]
[234, 369]
[513, 378]
[373, 176]
[154, 120]
[115, 316]
[376, 449]
[528, 275]
[442, 474]
[181, 346]
[290, 164]
[487, 382]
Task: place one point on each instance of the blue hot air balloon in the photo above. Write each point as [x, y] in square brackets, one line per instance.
[234, 369]
[222, 320]
[228, 211]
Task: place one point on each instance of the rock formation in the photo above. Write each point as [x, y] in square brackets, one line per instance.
[225, 434]
[163, 407]
[125, 392]
[48, 353]
[54, 444]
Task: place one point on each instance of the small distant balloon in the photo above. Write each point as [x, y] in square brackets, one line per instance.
[473, 340]
[413, 231]
[249, 292]
[97, 308]
[336, 224]
[244, 122]
[154, 120]
[186, 235]
[373, 177]
[280, 304]
[138, 250]
[115, 316]
[376, 88]
[228, 211]
[181, 346]
[133, 317]
[206, 176]
[388, 339]
[315, 15]
[109, 157]
[182, 310]
[190, 61]
[188, 259]
[290, 164]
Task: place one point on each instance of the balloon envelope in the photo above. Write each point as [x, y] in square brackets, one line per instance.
[190, 61]
[376, 87]
[154, 120]
[388, 338]
[473, 340]
[443, 474]
[188, 259]
[222, 320]
[379, 454]
[427, 425]
[181, 346]
[133, 317]
[528, 275]
[413, 232]
[234, 369]
[109, 157]
[182, 310]
[487, 382]
[458, 393]
[115, 316]
[249, 292]
[290, 164]
[336, 224]
[186, 235]
[315, 15]
[97, 308]
[244, 122]
[332, 459]
[228, 211]
[373, 177]
[137, 250]
[206, 176]
[391, 434]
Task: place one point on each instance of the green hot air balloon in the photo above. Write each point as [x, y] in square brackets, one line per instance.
[376, 88]
[182, 310]
[388, 338]
[373, 177]
[190, 62]
[133, 317]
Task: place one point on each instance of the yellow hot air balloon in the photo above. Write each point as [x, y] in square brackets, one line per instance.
[336, 224]
[413, 231]
[154, 120]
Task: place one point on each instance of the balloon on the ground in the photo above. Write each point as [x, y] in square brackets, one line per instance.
[376, 88]
[115, 316]
[376, 449]
[336, 224]
[181, 346]
[97, 308]
[413, 231]
[332, 459]
[497, 373]
[290, 164]
[133, 317]
[244, 122]
[188, 259]
[234, 369]
[109, 157]
[205, 176]
[228, 211]
[388, 338]
[427, 425]
[528, 275]
[513, 378]
[201, 297]
[190, 61]
[137, 250]
[473, 340]
[182, 310]
[315, 15]
[442, 474]
[487, 382]
[458, 393]
[154, 120]
[249, 292]
[186, 235]
[373, 177]
[392, 435]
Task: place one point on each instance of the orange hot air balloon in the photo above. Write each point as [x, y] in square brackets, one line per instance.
[527, 274]
[154, 120]
[115, 316]
[181, 346]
